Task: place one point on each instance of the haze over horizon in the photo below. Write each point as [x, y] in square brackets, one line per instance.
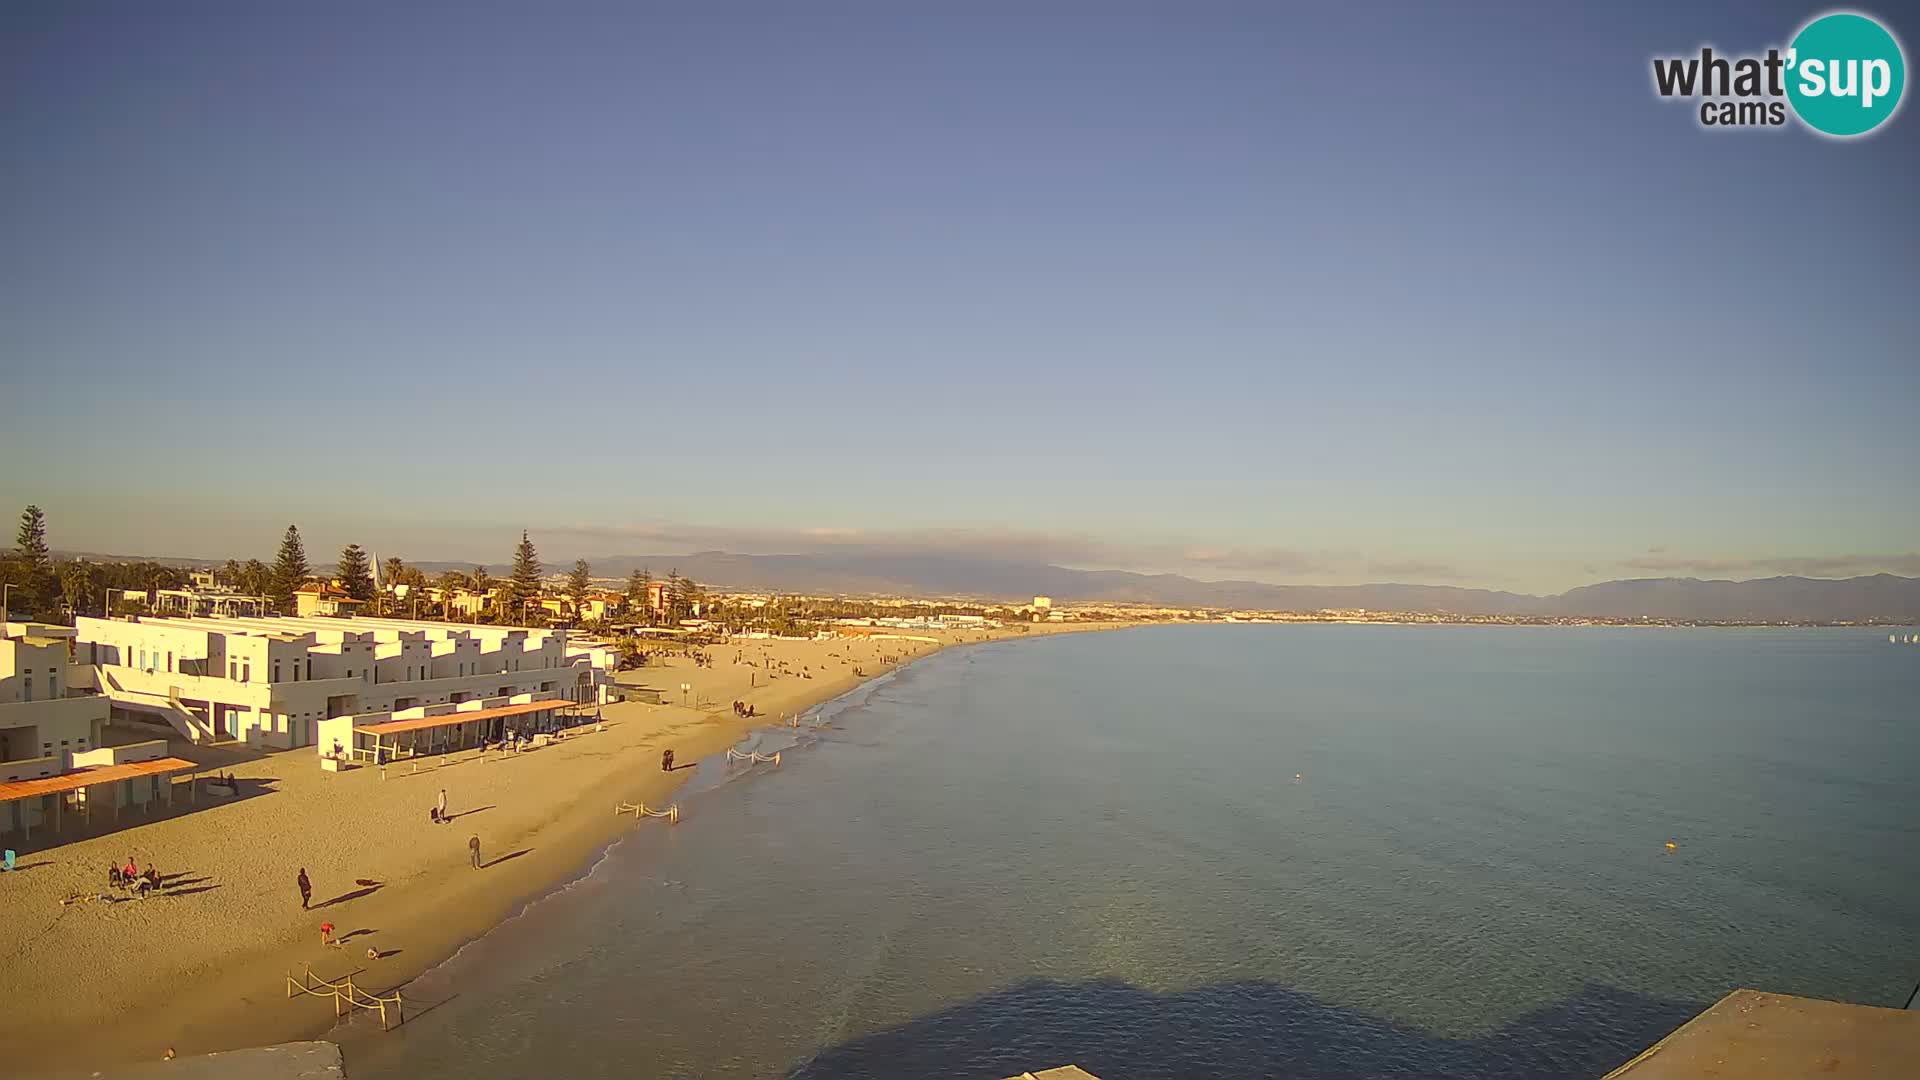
[1164, 290]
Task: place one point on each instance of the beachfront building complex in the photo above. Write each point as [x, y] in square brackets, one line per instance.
[270, 681]
[45, 714]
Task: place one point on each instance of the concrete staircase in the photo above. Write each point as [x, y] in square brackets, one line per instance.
[170, 708]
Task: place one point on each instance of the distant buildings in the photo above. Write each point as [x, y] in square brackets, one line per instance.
[323, 598]
[1043, 603]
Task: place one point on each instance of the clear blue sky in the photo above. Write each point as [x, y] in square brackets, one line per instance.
[1340, 293]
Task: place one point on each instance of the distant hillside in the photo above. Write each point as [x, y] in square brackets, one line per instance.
[1881, 597]
[1791, 599]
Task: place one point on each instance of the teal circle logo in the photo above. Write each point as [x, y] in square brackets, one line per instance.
[1845, 74]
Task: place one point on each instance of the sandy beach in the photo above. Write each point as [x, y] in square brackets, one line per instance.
[201, 966]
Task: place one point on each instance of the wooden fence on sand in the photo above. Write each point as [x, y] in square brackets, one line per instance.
[345, 995]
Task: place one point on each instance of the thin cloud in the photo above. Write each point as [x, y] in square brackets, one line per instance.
[1415, 568]
[1010, 545]
[1825, 566]
[1274, 560]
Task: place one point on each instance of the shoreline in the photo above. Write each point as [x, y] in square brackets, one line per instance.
[222, 998]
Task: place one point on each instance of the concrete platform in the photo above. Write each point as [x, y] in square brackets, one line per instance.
[1749, 1035]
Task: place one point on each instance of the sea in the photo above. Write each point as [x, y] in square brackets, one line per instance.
[1302, 851]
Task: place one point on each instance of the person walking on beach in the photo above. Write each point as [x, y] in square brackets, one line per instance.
[306, 890]
[666, 761]
[473, 850]
[443, 805]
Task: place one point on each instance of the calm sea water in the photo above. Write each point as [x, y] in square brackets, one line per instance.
[1094, 849]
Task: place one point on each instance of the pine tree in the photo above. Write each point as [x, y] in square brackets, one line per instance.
[290, 569]
[676, 597]
[31, 543]
[524, 586]
[579, 584]
[38, 591]
[355, 573]
[639, 584]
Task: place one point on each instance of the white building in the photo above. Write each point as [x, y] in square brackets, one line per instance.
[271, 681]
[46, 715]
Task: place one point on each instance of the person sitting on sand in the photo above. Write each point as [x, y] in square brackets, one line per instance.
[326, 933]
[115, 878]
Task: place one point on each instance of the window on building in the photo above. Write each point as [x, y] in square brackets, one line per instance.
[246, 671]
[29, 689]
[276, 671]
[309, 667]
[233, 669]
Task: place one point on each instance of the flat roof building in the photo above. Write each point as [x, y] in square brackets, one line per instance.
[47, 713]
[270, 681]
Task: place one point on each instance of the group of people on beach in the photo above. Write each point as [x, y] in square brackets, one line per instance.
[131, 878]
[741, 708]
[510, 742]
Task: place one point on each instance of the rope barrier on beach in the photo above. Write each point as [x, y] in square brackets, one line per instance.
[640, 810]
[345, 995]
[752, 755]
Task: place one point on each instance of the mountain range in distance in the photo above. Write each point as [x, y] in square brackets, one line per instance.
[1875, 598]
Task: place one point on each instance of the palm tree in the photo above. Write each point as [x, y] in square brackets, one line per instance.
[482, 584]
[452, 584]
[76, 584]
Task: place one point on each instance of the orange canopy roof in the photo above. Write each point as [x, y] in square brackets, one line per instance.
[99, 774]
[395, 727]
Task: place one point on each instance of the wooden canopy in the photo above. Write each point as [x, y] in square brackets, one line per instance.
[396, 727]
[99, 774]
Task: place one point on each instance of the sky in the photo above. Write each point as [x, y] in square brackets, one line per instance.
[1294, 293]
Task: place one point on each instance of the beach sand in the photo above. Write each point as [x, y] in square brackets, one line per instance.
[202, 966]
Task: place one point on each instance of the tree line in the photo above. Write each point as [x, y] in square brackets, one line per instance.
[41, 589]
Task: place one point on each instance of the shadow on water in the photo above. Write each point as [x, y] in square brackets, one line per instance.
[1122, 1032]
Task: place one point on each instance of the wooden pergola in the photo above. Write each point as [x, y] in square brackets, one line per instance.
[449, 731]
[16, 791]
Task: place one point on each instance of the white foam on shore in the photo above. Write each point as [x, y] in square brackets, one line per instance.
[827, 710]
